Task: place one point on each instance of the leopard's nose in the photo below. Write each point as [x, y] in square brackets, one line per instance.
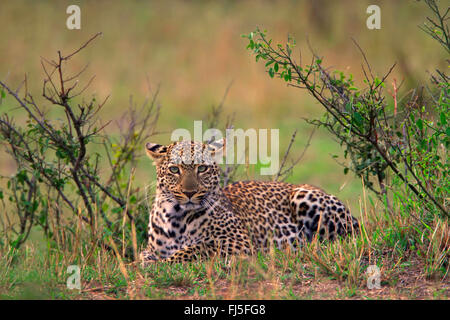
[189, 194]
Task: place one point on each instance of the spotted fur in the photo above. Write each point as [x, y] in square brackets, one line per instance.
[192, 216]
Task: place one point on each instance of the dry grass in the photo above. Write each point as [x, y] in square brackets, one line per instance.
[320, 270]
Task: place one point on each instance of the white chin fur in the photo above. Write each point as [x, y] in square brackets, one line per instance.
[190, 206]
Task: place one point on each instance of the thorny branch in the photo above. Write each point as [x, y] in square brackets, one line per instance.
[58, 155]
[356, 117]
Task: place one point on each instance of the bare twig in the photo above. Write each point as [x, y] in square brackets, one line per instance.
[284, 173]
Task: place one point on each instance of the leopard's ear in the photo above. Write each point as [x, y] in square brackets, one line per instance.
[155, 151]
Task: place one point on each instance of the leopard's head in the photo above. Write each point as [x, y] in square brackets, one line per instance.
[187, 171]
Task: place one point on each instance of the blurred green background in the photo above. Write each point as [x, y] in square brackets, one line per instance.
[194, 50]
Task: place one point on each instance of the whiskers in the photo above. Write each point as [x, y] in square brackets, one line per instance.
[208, 203]
[167, 198]
[149, 194]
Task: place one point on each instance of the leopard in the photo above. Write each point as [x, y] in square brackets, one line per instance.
[194, 217]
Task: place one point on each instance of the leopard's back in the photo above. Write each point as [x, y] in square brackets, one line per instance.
[288, 213]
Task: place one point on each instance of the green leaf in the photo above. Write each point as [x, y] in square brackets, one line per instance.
[423, 144]
[275, 67]
[443, 119]
[358, 119]
[378, 82]
[271, 72]
[419, 124]
[348, 107]
[117, 210]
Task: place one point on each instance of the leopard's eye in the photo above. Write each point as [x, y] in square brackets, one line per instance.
[174, 169]
[202, 168]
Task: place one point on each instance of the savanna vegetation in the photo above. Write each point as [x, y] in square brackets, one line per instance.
[362, 113]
